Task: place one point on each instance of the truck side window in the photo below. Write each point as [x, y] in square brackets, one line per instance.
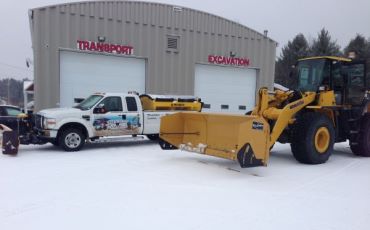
[12, 111]
[112, 104]
[131, 104]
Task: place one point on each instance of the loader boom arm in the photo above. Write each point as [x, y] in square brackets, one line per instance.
[282, 117]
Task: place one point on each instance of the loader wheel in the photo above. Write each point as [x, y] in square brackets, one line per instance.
[313, 138]
[72, 140]
[363, 144]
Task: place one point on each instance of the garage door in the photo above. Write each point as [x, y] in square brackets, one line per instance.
[82, 74]
[225, 89]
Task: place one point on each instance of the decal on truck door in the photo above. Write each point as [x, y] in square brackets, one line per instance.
[113, 125]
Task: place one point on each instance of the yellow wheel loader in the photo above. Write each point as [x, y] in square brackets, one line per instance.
[330, 104]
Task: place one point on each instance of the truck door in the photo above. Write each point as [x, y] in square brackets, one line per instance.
[133, 116]
[109, 118]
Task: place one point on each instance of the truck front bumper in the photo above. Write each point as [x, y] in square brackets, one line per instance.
[47, 133]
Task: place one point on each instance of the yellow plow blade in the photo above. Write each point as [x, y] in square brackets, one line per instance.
[235, 137]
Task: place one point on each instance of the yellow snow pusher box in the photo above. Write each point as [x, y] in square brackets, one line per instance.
[218, 135]
[166, 102]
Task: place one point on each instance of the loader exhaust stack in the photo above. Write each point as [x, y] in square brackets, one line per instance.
[234, 137]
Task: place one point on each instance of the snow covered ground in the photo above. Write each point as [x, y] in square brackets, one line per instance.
[139, 186]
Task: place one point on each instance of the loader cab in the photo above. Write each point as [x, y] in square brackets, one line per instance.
[313, 73]
[345, 77]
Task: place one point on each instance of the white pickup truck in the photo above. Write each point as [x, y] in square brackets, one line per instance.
[106, 117]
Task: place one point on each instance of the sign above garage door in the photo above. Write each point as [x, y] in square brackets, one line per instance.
[223, 60]
[105, 47]
[82, 74]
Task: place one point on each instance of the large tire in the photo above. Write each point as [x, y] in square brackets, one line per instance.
[72, 140]
[313, 137]
[363, 143]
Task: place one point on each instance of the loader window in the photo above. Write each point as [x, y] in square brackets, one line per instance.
[312, 74]
[338, 80]
[356, 75]
[368, 74]
[356, 83]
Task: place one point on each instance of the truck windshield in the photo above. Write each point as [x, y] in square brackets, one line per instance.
[89, 102]
[312, 74]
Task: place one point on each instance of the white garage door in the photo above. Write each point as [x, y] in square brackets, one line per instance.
[82, 74]
[225, 89]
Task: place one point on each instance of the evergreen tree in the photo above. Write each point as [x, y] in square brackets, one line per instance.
[360, 46]
[290, 53]
[11, 90]
[324, 45]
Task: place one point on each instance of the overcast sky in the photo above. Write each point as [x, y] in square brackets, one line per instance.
[282, 18]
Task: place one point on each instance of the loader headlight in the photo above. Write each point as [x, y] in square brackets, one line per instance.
[49, 123]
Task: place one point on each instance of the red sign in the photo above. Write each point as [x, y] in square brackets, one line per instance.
[105, 47]
[222, 60]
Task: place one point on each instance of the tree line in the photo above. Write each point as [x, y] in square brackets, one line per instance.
[323, 45]
[11, 91]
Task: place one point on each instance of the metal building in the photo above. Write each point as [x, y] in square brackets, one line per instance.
[119, 46]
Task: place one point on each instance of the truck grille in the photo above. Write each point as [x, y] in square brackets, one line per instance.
[39, 120]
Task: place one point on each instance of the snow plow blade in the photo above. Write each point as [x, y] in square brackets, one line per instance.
[8, 140]
[236, 137]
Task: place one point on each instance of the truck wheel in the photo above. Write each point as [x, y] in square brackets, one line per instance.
[363, 144]
[313, 138]
[153, 137]
[72, 140]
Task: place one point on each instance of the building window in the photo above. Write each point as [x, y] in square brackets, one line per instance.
[224, 106]
[206, 106]
[242, 107]
[172, 43]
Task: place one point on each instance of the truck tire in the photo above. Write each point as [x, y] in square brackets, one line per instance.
[153, 137]
[72, 140]
[313, 137]
[363, 144]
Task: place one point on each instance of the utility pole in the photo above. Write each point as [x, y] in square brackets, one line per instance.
[8, 91]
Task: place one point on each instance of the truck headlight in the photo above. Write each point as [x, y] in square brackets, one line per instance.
[49, 123]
